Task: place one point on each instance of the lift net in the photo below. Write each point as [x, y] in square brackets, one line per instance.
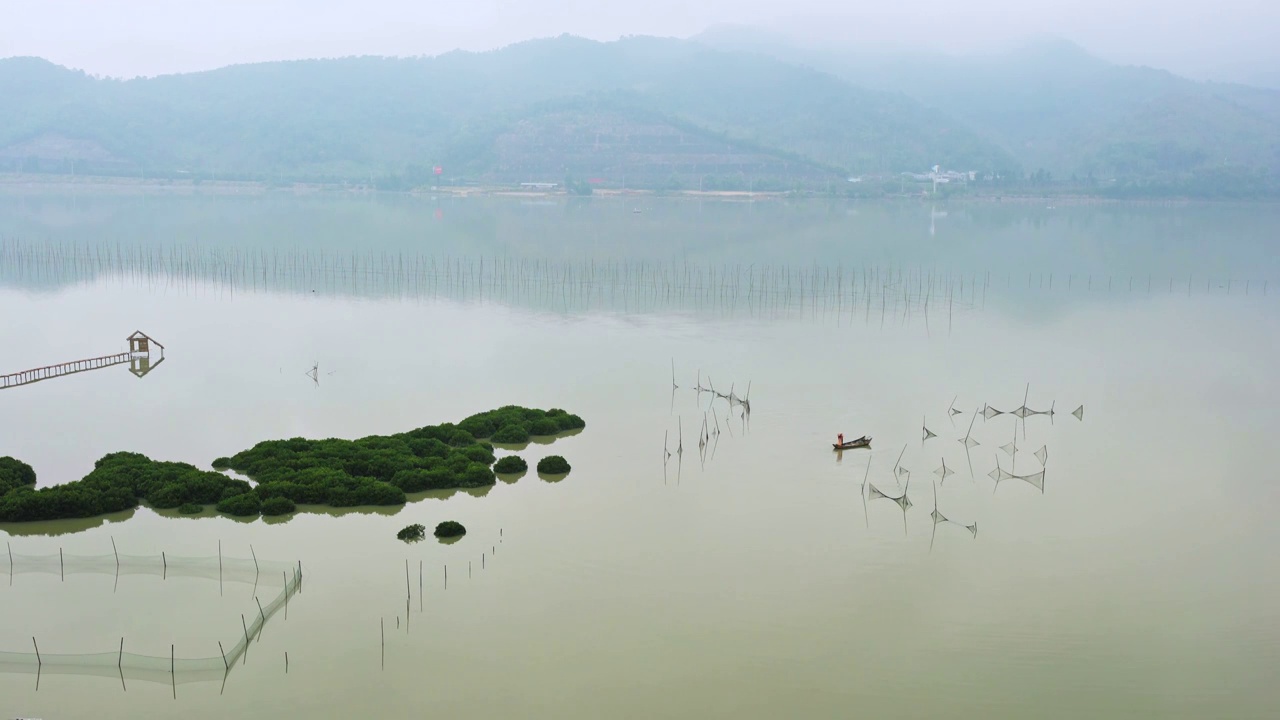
[117, 661]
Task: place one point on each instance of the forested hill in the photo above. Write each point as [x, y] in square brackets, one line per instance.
[1062, 111]
[639, 112]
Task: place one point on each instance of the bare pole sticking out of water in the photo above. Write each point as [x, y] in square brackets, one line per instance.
[173, 674]
[251, 552]
[164, 560]
[286, 662]
[446, 577]
[120, 657]
[37, 646]
[407, 594]
[382, 624]
[863, 493]
[262, 616]
[117, 552]
[220, 565]
[224, 656]
[61, 568]
[285, 577]
[10, 545]
[245, 627]
[419, 586]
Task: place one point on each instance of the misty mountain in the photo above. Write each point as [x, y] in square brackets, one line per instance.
[636, 112]
[1052, 105]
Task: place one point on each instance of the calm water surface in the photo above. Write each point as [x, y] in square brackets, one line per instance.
[759, 576]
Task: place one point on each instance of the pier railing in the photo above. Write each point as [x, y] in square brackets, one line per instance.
[27, 377]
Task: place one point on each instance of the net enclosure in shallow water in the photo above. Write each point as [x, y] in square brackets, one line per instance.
[111, 662]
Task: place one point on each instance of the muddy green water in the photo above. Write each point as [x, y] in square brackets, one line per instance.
[756, 577]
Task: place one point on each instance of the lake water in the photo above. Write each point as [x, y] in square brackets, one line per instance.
[759, 576]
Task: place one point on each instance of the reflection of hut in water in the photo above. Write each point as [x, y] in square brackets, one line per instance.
[140, 362]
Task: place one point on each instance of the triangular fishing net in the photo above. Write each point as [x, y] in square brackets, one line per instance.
[991, 412]
[944, 472]
[1042, 454]
[1079, 413]
[1010, 449]
[1000, 475]
[1036, 480]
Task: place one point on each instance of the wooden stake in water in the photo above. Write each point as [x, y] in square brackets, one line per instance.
[120, 657]
[286, 662]
[251, 552]
[224, 656]
[245, 626]
[407, 592]
[382, 624]
[164, 560]
[285, 576]
[419, 586]
[173, 675]
[117, 552]
[263, 617]
[37, 646]
[61, 567]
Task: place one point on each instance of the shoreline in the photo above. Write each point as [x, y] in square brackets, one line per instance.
[36, 184]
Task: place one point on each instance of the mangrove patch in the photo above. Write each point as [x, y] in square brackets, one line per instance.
[375, 470]
[510, 464]
[449, 529]
[553, 465]
[412, 533]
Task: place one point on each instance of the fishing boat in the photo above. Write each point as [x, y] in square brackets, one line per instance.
[861, 442]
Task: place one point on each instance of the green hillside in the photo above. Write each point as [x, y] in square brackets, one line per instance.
[640, 112]
[1059, 110]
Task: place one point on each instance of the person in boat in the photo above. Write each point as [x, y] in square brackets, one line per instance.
[839, 438]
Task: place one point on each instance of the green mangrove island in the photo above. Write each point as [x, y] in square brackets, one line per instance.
[553, 465]
[412, 533]
[449, 529]
[375, 470]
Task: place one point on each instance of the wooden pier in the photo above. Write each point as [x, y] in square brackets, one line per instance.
[138, 358]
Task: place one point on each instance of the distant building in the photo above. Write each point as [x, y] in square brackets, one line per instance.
[539, 185]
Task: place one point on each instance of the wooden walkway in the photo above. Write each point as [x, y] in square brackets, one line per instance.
[138, 359]
[27, 377]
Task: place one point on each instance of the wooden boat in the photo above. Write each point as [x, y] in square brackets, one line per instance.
[861, 442]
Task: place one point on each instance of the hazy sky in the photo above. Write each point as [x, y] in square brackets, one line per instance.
[147, 37]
